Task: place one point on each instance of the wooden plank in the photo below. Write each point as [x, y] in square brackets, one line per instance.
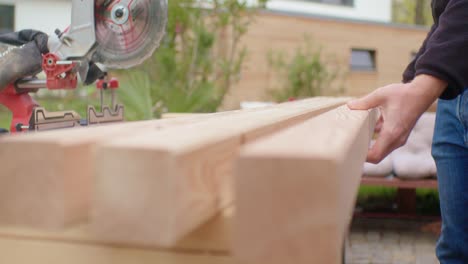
[24, 251]
[177, 115]
[46, 178]
[399, 183]
[153, 189]
[295, 190]
[213, 237]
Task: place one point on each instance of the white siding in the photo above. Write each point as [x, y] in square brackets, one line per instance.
[8, 2]
[369, 10]
[44, 15]
[47, 15]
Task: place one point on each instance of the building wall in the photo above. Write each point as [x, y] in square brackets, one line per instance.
[394, 46]
[7, 16]
[8, 2]
[370, 10]
[44, 15]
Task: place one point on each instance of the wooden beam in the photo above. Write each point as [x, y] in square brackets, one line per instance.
[26, 251]
[46, 178]
[177, 115]
[211, 238]
[154, 188]
[296, 189]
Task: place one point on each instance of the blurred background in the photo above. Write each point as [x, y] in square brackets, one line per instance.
[217, 54]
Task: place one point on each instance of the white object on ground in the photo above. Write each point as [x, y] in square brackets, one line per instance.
[414, 160]
[413, 166]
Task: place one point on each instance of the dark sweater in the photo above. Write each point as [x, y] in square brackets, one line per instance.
[444, 53]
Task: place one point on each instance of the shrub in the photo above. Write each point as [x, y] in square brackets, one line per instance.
[198, 61]
[307, 73]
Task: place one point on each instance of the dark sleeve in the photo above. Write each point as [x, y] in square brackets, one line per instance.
[445, 56]
[410, 71]
[24, 56]
[25, 36]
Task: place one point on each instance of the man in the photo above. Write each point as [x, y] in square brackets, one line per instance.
[440, 70]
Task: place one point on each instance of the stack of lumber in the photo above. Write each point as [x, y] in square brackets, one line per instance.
[285, 176]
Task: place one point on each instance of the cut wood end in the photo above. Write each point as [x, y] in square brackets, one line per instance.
[143, 174]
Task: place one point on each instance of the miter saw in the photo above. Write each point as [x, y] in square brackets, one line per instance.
[115, 34]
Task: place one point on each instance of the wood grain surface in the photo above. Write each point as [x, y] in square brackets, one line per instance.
[154, 188]
[296, 189]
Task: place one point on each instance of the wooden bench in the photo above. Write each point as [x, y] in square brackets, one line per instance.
[406, 192]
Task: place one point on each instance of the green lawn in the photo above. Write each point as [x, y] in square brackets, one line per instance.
[372, 198]
[5, 118]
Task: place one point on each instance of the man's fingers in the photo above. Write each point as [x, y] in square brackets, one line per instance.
[383, 146]
[369, 101]
[379, 125]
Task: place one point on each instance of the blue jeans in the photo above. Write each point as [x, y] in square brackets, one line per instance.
[450, 151]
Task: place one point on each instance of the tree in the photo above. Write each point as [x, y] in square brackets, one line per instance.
[415, 12]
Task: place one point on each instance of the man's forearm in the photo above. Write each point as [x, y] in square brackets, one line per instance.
[427, 88]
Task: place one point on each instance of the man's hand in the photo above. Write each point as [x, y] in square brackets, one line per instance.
[21, 55]
[400, 107]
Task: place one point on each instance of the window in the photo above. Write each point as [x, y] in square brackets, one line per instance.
[335, 2]
[7, 18]
[363, 60]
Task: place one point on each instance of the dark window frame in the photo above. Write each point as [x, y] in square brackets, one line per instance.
[7, 18]
[355, 67]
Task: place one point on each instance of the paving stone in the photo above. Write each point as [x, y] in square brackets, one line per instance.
[426, 259]
[424, 247]
[357, 236]
[408, 256]
[426, 238]
[408, 238]
[378, 243]
[382, 259]
[390, 235]
[373, 236]
[390, 238]
[359, 262]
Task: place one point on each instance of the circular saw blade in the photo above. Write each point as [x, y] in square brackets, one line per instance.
[128, 31]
